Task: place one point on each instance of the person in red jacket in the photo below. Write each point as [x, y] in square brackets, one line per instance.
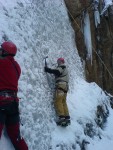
[9, 102]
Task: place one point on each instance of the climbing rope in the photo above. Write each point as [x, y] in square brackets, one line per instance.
[92, 45]
[86, 8]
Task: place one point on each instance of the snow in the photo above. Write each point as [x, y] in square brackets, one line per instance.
[107, 141]
[41, 28]
[107, 3]
[82, 105]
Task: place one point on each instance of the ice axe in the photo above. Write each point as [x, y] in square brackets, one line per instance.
[46, 61]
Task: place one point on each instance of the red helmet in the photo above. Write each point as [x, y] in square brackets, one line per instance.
[9, 47]
[60, 60]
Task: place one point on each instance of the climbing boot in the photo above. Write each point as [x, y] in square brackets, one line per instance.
[67, 120]
[61, 121]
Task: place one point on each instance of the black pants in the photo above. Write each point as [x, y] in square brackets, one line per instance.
[9, 113]
[9, 116]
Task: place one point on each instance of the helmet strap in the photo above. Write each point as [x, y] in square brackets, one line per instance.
[4, 54]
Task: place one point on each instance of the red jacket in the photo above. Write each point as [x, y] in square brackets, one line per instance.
[9, 74]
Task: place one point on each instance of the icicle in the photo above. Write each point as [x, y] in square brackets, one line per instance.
[96, 13]
[87, 36]
[97, 18]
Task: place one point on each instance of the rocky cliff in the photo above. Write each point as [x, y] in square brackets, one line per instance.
[99, 68]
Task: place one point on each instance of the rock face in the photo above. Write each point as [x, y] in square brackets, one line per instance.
[100, 68]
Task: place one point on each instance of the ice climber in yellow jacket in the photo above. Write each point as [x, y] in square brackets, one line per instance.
[61, 89]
